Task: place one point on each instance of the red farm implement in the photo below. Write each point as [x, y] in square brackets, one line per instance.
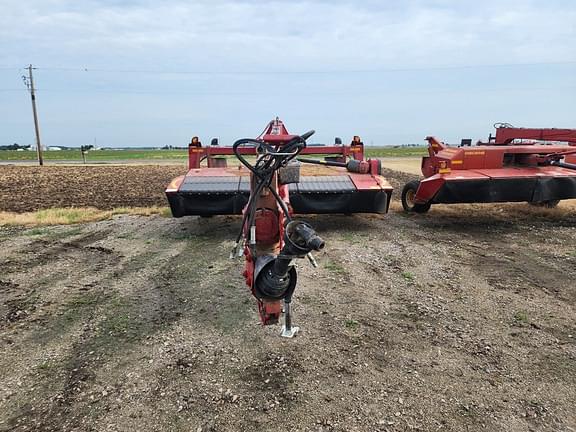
[268, 188]
[517, 164]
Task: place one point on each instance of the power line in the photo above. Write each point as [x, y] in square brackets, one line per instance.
[297, 72]
[339, 93]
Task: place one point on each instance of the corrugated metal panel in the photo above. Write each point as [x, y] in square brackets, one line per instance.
[244, 184]
[324, 184]
[205, 184]
[233, 184]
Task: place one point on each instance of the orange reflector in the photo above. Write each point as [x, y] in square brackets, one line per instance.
[443, 167]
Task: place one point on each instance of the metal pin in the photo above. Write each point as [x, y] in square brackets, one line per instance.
[234, 251]
[287, 330]
[312, 259]
[253, 235]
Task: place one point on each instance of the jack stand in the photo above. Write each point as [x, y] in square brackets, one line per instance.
[287, 330]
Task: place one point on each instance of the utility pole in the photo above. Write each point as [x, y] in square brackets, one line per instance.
[30, 86]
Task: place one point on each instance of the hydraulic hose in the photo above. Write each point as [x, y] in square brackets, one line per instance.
[265, 167]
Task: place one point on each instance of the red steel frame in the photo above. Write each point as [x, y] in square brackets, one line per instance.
[501, 157]
[507, 135]
[196, 153]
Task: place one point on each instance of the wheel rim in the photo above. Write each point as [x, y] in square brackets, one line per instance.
[410, 197]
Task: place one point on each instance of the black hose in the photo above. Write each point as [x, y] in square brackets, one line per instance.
[239, 156]
[282, 204]
[264, 170]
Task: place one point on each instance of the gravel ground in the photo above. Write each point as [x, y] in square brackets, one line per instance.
[459, 320]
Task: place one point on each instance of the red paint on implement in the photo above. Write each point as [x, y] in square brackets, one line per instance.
[494, 169]
[218, 189]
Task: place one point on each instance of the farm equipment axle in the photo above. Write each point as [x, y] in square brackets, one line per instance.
[370, 166]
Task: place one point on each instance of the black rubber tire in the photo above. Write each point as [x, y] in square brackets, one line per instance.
[408, 193]
[547, 204]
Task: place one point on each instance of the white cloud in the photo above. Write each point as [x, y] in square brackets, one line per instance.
[276, 35]
[264, 36]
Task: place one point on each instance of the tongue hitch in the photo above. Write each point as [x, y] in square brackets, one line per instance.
[275, 277]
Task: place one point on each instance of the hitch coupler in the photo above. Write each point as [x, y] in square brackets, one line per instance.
[275, 277]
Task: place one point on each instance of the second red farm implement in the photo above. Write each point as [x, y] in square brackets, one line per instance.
[507, 168]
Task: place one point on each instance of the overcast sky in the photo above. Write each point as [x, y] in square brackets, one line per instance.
[151, 73]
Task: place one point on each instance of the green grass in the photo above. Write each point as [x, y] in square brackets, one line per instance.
[67, 216]
[94, 156]
[45, 366]
[334, 267]
[36, 232]
[351, 324]
[396, 151]
[70, 216]
[120, 155]
[354, 238]
[72, 311]
[521, 317]
[119, 323]
[408, 276]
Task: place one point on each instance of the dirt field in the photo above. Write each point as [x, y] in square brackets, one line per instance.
[460, 320]
[404, 164]
[26, 188]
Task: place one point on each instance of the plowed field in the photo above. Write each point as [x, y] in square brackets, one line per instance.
[26, 188]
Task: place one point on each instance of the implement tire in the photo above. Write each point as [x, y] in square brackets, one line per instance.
[408, 195]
